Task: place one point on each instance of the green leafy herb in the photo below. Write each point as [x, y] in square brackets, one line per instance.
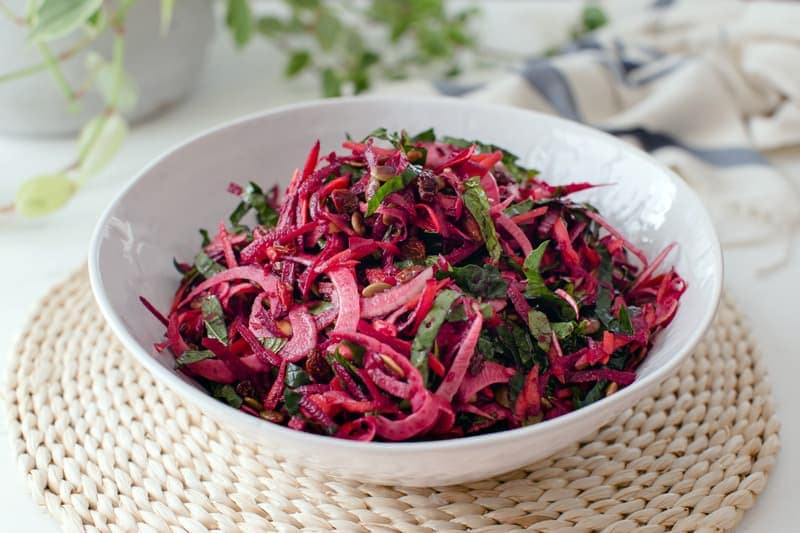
[539, 325]
[478, 204]
[604, 296]
[207, 266]
[273, 344]
[426, 335]
[597, 392]
[625, 325]
[480, 281]
[515, 385]
[424, 136]
[253, 198]
[395, 184]
[535, 286]
[206, 239]
[296, 376]
[226, 393]
[517, 345]
[519, 208]
[214, 319]
[563, 329]
[291, 400]
[192, 356]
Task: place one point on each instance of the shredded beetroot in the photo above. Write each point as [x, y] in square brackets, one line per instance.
[410, 288]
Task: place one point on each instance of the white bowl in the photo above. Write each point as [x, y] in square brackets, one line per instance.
[157, 215]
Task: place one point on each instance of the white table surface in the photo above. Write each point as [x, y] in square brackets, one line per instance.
[34, 254]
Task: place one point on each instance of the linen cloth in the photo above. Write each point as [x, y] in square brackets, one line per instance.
[706, 86]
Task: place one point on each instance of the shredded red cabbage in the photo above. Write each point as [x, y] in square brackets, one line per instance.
[410, 288]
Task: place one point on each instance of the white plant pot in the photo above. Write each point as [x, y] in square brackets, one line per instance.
[165, 67]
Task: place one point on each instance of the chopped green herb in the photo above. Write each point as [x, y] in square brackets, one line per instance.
[426, 335]
[214, 318]
[296, 376]
[478, 204]
[395, 184]
[192, 356]
[479, 281]
[291, 400]
[206, 266]
[224, 392]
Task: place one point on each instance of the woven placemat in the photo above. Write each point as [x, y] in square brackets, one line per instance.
[103, 447]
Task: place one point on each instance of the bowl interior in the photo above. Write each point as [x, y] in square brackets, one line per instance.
[156, 218]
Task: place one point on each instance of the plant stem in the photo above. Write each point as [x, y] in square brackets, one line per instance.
[117, 59]
[63, 56]
[16, 19]
[52, 65]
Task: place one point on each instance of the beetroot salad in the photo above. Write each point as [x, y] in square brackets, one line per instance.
[415, 288]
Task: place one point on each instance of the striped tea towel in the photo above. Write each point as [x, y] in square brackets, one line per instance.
[705, 86]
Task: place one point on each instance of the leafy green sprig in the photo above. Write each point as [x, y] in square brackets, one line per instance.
[347, 44]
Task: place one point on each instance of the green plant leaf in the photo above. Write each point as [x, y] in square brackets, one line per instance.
[214, 319]
[296, 376]
[478, 205]
[426, 335]
[207, 266]
[298, 60]
[593, 17]
[99, 141]
[329, 29]
[535, 286]
[239, 19]
[56, 18]
[270, 26]
[331, 83]
[480, 281]
[539, 326]
[225, 393]
[104, 74]
[192, 356]
[41, 195]
[167, 9]
[395, 184]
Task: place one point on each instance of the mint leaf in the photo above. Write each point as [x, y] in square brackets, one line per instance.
[296, 376]
[213, 319]
[226, 393]
[291, 400]
[273, 344]
[424, 136]
[426, 335]
[207, 266]
[625, 325]
[479, 281]
[192, 356]
[604, 288]
[535, 286]
[519, 208]
[539, 325]
[478, 204]
[395, 184]
[253, 198]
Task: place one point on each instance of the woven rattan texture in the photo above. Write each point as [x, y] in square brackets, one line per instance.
[104, 447]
